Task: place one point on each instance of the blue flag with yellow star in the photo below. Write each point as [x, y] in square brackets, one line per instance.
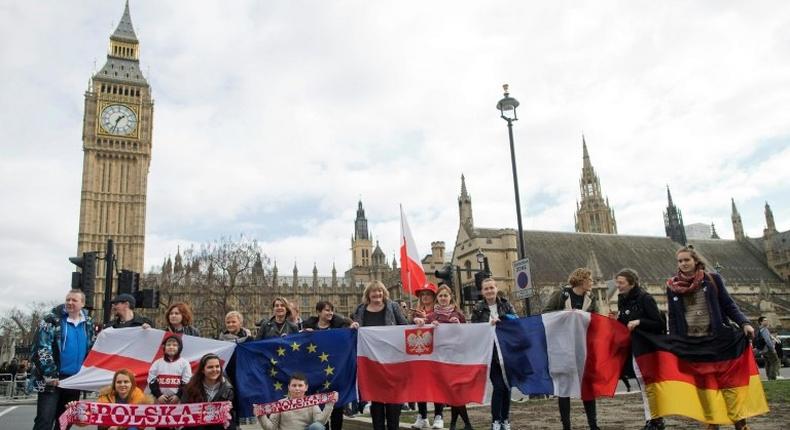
[328, 358]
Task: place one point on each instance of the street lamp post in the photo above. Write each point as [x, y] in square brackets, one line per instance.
[507, 111]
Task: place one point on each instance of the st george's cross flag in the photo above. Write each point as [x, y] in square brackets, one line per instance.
[412, 276]
[446, 364]
[135, 348]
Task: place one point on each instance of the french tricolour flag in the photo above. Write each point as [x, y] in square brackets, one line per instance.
[136, 349]
[445, 364]
[566, 353]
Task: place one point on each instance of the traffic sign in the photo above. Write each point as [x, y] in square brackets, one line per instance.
[523, 279]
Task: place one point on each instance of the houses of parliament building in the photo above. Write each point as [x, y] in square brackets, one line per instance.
[117, 145]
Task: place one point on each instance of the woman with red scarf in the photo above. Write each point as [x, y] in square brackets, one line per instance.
[699, 305]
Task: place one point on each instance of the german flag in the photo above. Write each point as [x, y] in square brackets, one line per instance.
[712, 379]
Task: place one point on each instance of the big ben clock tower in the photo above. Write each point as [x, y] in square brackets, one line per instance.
[116, 141]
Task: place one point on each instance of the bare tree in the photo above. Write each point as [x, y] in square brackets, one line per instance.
[21, 324]
[223, 275]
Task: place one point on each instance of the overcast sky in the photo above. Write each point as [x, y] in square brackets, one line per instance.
[273, 118]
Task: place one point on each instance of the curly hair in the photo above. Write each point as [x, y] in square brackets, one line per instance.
[184, 310]
[578, 276]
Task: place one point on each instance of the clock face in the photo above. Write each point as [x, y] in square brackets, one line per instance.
[118, 119]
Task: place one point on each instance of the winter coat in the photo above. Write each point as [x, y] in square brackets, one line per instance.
[336, 322]
[721, 307]
[269, 329]
[47, 345]
[561, 300]
[392, 315]
[243, 336]
[481, 312]
[638, 304]
[224, 394]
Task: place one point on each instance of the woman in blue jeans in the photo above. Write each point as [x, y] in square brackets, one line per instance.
[493, 309]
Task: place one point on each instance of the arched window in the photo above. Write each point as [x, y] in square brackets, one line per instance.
[468, 267]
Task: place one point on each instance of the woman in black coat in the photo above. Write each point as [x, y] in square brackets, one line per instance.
[637, 310]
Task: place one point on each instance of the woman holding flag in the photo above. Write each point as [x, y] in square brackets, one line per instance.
[378, 310]
[577, 295]
[427, 300]
[699, 305]
[122, 390]
[492, 309]
[447, 312]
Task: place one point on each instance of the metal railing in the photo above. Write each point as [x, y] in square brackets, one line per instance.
[13, 387]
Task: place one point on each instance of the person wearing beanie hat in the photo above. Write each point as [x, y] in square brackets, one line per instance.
[123, 309]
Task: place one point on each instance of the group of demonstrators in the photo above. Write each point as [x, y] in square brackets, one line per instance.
[698, 305]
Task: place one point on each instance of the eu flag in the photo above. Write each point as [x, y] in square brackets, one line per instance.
[328, 358]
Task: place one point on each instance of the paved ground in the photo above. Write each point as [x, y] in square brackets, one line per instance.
[621, 413]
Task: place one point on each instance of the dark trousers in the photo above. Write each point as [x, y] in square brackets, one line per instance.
[50, 405]
[500, 397]
[336, 419]
[385, 412]
[459, 411]
[422, 407]
[565, 412]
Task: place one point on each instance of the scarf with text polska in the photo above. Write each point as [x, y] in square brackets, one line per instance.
[164, 415]
[683, 284]
[289, 404]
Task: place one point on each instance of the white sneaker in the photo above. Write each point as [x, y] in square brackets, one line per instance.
[438, 422]
[506, 425]
[366, 409]
[496, 425]
[420, 423]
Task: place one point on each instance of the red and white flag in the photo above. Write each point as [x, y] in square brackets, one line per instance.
[446, 364]
[136, 349]
[412, 276]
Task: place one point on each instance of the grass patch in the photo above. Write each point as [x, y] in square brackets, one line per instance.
[777, 391]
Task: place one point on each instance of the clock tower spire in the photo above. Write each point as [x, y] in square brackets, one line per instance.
[116, 144]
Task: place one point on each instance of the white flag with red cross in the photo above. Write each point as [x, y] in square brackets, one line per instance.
[136, 349]
[411, 274]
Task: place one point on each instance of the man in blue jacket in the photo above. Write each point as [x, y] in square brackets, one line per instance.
[62, 342]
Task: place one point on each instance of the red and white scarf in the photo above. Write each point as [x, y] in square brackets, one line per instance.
[683, 284]
[286, 405]
[126, 415]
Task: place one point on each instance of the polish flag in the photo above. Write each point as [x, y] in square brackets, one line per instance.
[446, 364]
[412, 276]
[136, 349]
